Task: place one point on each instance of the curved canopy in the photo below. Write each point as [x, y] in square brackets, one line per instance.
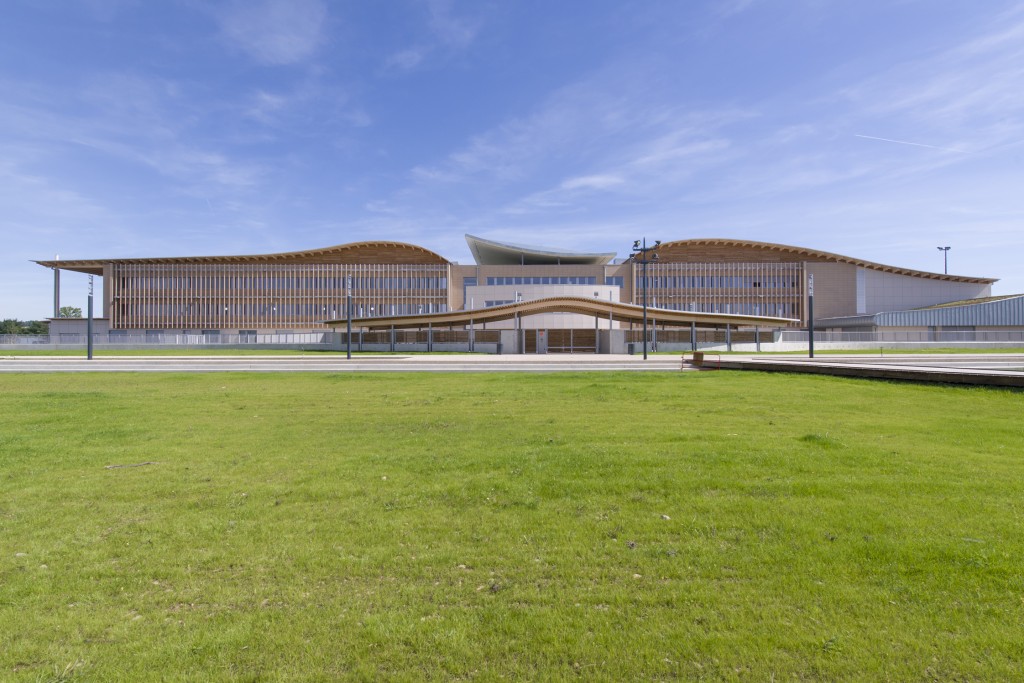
[490, 253]
[377, 251]
[724, 250]
[620, 312]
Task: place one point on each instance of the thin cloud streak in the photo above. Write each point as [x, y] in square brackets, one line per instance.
[275, 32]
[915, 144]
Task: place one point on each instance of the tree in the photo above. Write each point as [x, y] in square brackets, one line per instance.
[69, 312]
[13, 326]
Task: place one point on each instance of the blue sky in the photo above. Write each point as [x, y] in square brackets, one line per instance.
[878, 129]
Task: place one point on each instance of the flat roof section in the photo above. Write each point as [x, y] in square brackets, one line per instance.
[994, 311]
[491, 253]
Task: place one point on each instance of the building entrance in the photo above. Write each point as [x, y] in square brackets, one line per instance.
[561, 341]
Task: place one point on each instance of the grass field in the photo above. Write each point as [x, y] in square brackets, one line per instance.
[695, 526]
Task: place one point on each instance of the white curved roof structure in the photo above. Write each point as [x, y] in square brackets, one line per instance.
[491, 253]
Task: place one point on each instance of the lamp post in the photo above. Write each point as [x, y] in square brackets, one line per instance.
[945, 259]
[810, 316]
[640, 249]
[757, 329]
[56, 288]
[88, 325]
[520, 335]
[348, 322]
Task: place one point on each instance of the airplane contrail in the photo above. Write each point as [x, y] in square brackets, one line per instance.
[915, 144]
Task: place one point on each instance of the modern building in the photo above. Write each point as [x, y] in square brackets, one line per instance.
[994, 318]
[705, 281]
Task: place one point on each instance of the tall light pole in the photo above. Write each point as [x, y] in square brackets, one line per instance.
[640, 249]
[56, 288]
[945, 259]
[520, 335]
[348, 321]
[88, 325]
[810, 315]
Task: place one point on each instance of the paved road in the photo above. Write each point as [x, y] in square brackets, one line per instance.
[987, 369]
[334, 363]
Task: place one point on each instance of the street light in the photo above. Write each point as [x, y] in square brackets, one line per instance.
[520, 334]
[348, 317]
[640, 249]
[945, 258]
[88, 328]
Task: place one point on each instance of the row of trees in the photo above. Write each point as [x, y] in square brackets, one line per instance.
[12, 326]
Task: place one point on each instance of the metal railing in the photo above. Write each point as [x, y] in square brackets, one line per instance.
[169, 339]
[908, 336]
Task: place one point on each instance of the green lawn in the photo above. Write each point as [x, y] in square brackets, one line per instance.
[621, 526]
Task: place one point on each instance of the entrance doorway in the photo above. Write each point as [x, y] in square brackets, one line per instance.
[561, 341]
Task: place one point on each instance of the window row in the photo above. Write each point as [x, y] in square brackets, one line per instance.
[186, 283]
[715, 282]
[280, 310]
[544, 280]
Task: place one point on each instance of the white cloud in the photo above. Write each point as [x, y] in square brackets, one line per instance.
[265, 106]
[406, 59]
[108, 10]
[592, 182]
[125, 118]
[446, 33]
[965, 97]
[275, 32]
[451, 30]
[727, 8]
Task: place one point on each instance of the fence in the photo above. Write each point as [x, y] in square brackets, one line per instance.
[905, 336]
[490, 340]
[70, 340]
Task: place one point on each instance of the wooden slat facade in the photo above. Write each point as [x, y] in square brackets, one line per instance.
[267, 296]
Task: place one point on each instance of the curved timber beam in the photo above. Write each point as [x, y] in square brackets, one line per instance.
[619, 312]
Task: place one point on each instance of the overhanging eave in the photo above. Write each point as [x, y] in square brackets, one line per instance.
[619, 312]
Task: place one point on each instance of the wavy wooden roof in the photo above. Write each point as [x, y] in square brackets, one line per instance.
[720, 250]
[620, 312]
[354, 252]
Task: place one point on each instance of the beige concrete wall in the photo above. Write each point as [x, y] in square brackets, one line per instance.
[545, 321]
[835, 289]
[456, 302]
[894, 292]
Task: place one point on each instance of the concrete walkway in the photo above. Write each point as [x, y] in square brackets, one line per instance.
[996, 369]
[338, 363]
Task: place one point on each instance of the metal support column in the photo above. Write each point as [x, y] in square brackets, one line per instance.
[640, 248]
[810, 316]
[88, 326]
[56, 292]
[348, 324]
